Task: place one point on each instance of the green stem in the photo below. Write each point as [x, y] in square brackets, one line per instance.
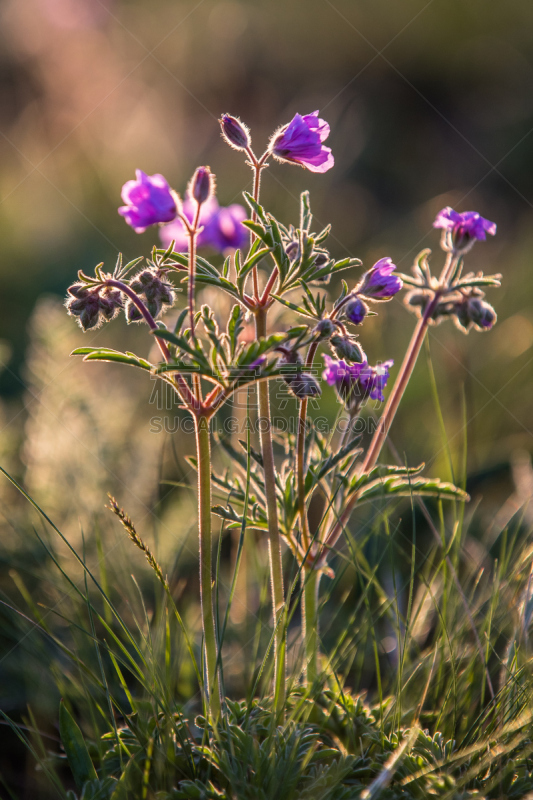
[311, 583]
[203, 448]
[274, 539]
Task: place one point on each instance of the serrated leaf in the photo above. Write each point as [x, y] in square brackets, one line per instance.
[75, 748]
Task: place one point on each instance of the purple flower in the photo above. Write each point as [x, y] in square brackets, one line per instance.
[227, 231]
[374, 379]
[356, 381]
[345, 379]
[355, 310]
[222, 228]
[464, 228]
[379, 283]
[300, 142]
[148, 201]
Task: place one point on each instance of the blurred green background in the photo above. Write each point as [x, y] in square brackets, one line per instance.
[430, 104]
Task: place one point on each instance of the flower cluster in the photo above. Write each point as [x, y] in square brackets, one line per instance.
[92, 305]
[150, 201]
[156, 293]
[356, 382]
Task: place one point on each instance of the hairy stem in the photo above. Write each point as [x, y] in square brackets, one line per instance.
[203, 449]
[274, 539]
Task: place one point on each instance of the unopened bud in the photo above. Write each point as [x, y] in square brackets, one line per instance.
[474, 312]
[202, 185]
[355, 310]
[324, 328]
[303, 385]
[349, 348]
[235, 132]
[155, 293]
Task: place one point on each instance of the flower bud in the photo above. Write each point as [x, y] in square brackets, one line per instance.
[324, 328]
[202, 185]
[355, 310]
[92, 305]
[303, 385]
[155, 293]
[348, 347]
[293, 250]
[474, 312]
[235, 132]
[482, 314]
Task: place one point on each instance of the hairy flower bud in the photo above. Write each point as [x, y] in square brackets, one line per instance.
[347, 347]
[92, 305]
[324, 328]
[202, 185]
[154, 291]
[300, 383]
[355, 310]
[474, 312]
[304, 385]
[235, 132]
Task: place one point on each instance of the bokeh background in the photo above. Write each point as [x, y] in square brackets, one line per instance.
[430, 104]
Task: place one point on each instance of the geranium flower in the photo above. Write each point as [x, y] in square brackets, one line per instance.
[148, 201]
[300, 142]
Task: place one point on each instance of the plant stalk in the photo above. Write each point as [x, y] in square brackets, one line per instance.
[203, 448]
[274, 538]
[391, 406]
[181, 385]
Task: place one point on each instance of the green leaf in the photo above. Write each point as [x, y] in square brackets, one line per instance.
[263, 233]
[235, 327]
[485, 280]
[77, 754]
[305, 211]
[107, 354]
[255, 206]
[407, 487]
[292, 306]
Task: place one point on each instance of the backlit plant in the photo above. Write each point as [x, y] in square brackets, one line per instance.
[268, 262]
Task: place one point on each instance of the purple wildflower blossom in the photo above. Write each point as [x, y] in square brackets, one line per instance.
[355, 381]
[379, 283]
[222, 228]
[300, 142]
[148, 201]
[374, 379]
[464, 228]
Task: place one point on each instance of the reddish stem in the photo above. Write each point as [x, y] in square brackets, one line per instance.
[183, 389]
